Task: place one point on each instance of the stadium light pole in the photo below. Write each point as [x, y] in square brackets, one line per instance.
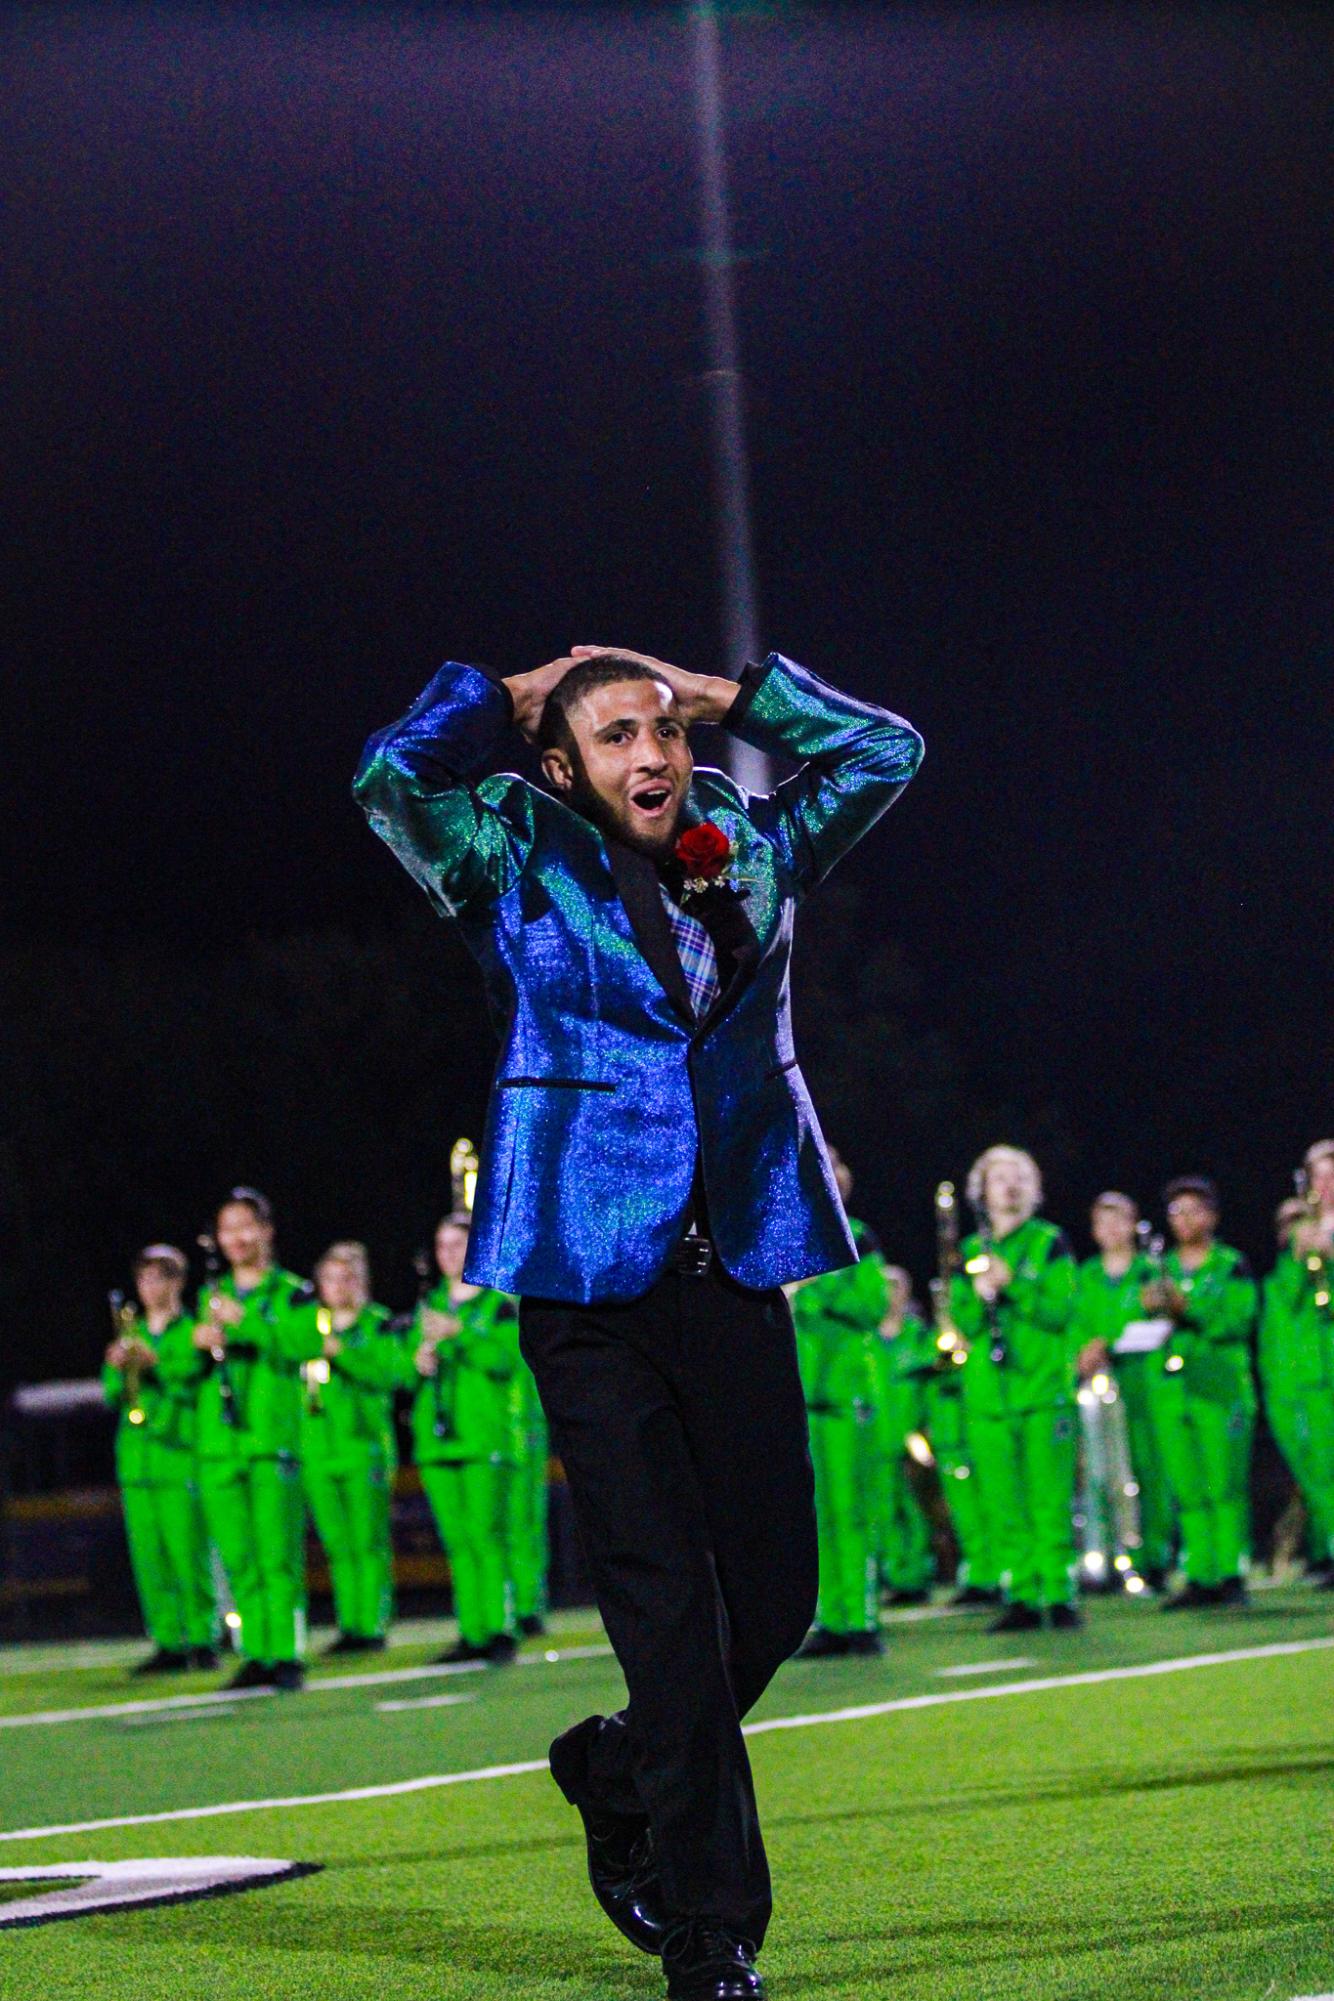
[723, 380]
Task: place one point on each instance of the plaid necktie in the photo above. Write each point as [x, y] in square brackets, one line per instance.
[699, 960]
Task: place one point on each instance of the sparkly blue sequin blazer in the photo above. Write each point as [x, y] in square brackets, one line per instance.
[607, 1087]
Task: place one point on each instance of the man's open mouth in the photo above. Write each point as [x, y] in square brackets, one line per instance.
[651, 799]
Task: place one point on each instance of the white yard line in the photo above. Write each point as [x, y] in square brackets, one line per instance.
[214, 1698]
[61, 1656]
[1037, 1686]
[917, 1615]
[990, 1667]
[154, 1707]
[424, 1702]
[223, 1711]
[860, 1713]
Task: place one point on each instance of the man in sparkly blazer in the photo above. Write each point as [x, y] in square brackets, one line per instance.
[652, 1172]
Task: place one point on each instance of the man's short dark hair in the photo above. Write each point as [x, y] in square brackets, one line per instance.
[1198, 1185]
[554, 732]
[259, 1205]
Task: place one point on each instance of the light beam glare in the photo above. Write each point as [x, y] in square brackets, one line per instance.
[724, 383]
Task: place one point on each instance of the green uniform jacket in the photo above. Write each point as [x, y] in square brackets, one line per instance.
[1213, 1343]
[836, 1317]
[901, 1367]
[1296, 1351]
[355, 1408]
[264, 1356]
[472, 1396]
[1105, 1307]
[162, 1447]
[1033, 1314]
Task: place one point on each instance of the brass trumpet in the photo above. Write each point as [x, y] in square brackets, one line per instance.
[951, 1348]
[123, 1317]
[1317, 1264]
[315, 1373]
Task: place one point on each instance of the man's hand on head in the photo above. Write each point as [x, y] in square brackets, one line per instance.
[529, 692]
[699, 698]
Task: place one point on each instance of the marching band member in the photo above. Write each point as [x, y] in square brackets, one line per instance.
[1107, 1304]
[466, 1354]
[1296, 1350]
[1204, 1398]
[1012, 1303]
[257, 1326]
[348, 1451]
[836, 1317]
[151, 1377]
[903, 1356]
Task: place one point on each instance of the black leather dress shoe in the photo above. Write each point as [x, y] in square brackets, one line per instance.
[459, 1653]
[622, 1866]
[1064, 1618]
[822, 1645]
[976, 1594]
[865, 1643]
[167, 1660]
[356, 1643]
[252, 1674]
[1017, 1619]
[287, 1676]
[706, 1962]
[1191, 1598]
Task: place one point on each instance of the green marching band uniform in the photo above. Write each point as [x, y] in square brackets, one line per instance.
[836, 1317]
[1019, 1391]
[526, 1511]
[1296, 1365]
[1104, 1307]
[466, 1449]
[947, 1433]
[348, 1460]
[249, 1471]
[902, 1363]
[1203, 1402]
[156, 1469]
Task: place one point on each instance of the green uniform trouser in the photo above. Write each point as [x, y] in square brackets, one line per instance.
[904, 1538]
[947, 1431]
[256, 1515]
[1156, 1512]
[349, 1503]
[1303, 1428]
[469, 1499]
[169, 1552]
[526, 1510]
[844, 1507]
[1025, 1462]
[902, 1534]
[1205, 1444]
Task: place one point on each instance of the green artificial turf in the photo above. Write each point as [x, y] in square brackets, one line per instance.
[1148, 1837]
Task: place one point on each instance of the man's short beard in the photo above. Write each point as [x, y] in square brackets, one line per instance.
[583, 798]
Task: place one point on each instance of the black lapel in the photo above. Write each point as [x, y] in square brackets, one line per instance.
[637, 884]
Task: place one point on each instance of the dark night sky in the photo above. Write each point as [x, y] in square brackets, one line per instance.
[339, 340]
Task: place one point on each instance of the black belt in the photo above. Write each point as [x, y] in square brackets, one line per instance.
[692, 1257]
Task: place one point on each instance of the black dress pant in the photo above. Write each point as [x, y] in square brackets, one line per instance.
[681, 1425]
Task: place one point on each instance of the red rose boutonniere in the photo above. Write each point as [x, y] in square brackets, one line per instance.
[706, 855]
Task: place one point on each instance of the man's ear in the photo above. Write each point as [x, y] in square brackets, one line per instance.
[558, 769]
